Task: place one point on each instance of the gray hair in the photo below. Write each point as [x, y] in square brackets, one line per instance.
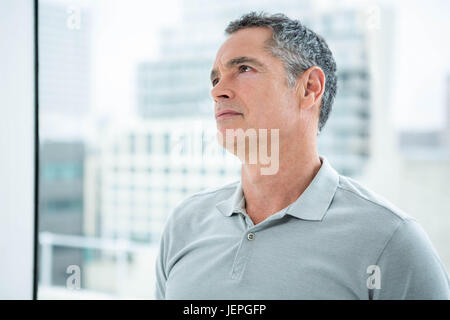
[299, 48]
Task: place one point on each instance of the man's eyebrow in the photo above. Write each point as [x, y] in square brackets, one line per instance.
[237, 61]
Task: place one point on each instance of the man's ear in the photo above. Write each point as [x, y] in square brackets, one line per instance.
[310, 87]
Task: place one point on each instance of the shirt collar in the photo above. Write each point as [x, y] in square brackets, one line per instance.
[312, 204]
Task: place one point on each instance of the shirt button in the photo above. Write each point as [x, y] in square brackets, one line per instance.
[250, 236]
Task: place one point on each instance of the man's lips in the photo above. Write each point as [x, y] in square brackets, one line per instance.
[227, 114]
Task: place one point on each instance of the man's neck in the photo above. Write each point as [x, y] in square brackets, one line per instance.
[268, 194]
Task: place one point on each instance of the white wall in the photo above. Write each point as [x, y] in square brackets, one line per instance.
[16, 148]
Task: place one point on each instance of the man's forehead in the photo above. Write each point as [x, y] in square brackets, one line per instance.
[243, 43]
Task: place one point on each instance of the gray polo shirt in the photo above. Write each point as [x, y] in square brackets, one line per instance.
[338, 240]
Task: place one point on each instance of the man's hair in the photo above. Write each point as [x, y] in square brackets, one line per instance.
[299, 48]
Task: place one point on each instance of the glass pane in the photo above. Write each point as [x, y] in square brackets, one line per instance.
[127, 128]
[126, 132]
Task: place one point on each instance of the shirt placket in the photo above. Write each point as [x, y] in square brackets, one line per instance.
[248, 240]
[244, 253]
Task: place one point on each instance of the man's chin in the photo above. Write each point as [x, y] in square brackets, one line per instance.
[222, 127]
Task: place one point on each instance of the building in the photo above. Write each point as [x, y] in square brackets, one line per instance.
[64, 101]
[64, 60]
[60, 207]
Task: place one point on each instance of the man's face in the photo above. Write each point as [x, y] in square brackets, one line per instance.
[246, 78]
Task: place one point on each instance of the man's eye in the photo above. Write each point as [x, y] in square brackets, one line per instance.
[214, 82]
[244, 67]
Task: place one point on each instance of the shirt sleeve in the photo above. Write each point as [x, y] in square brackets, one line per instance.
[410, 267]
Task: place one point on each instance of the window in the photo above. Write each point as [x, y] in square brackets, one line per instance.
[119, 84]
[149, 144]
[111, 116]
[166, 143]
[132, 143]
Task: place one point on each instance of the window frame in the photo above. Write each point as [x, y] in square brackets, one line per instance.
[19, 141]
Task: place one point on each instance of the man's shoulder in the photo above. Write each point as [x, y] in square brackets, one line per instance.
[368, 202]
[375, 220]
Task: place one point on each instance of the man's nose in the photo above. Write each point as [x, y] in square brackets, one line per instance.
[220, 91]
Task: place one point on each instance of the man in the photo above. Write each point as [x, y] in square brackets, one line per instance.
[303, 231]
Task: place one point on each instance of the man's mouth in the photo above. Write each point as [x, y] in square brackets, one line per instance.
[227, 114]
